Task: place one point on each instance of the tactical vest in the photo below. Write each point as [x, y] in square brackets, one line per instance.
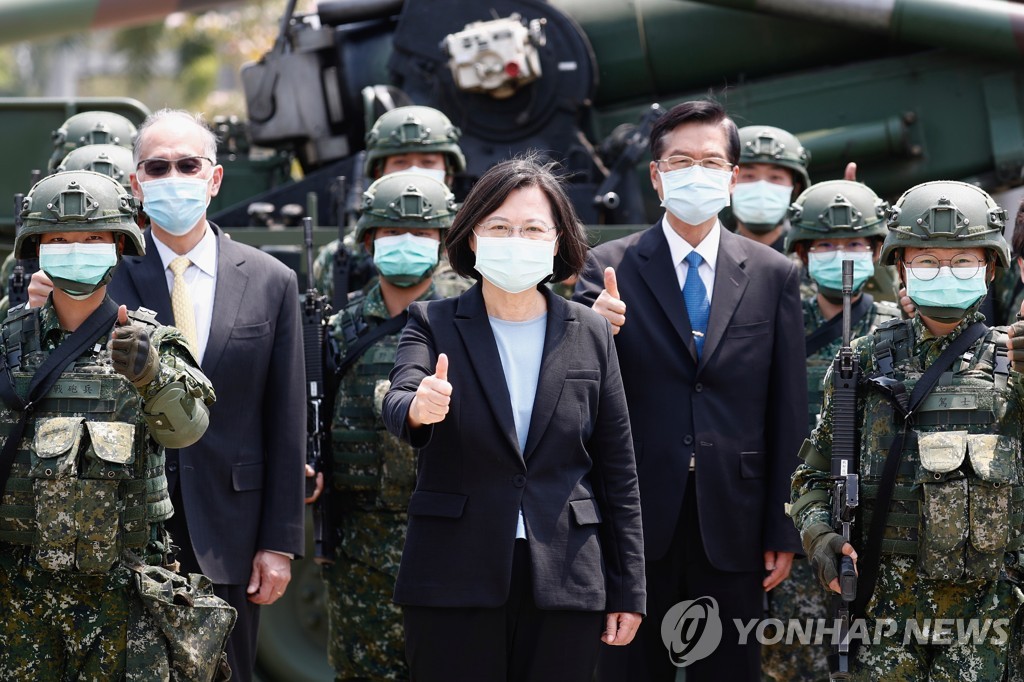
[87, 480]
[818, 364]
[958, 503]
[373, 469]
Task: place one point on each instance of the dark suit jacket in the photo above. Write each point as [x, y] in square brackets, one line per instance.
[242, 483]
[741, 409]
[576, 480]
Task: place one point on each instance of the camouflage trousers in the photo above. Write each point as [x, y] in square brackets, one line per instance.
[921, 629]
[800, 597]
[366, 640]
[60, 626]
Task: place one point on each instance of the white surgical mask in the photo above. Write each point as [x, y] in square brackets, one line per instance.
[435, 173]
[695, 194]
[761, 202]
[514, 264]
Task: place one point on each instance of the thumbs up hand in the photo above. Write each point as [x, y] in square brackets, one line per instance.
[430, 404]
[608, 304]
[131, 352]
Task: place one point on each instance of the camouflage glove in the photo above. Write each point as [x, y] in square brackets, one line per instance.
[822, 546]
[133, 355]
[1016, 344]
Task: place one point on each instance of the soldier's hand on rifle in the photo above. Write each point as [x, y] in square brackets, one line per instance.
[1016, 341]
[131, 352]
[39, 288]
[608, 304]
[310, 473]
[430, 404]
[823, 546]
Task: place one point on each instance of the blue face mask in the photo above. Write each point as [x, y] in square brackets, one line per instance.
[761, 205]
[405, 259]
[514, 264]
[78, 269]
[175, 204]
[827, 269]
[695, 194]
[945, 297]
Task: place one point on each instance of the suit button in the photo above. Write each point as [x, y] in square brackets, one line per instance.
[172, 466]
[687, 439]
[698, 387]
[519, 480]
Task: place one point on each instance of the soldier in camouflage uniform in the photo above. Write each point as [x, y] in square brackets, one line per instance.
[953, 530]
[413, 138]
[81, 512]
[1008, 287]
[829, 222]
[372, 473]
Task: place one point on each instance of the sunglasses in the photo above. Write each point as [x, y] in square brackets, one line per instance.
[188, 165]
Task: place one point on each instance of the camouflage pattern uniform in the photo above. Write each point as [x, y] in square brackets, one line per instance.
[1008, 292]
[955, 526]
[86, 488]
[373, 476]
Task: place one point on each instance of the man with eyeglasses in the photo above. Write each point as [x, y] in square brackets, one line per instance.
[939, 417]
[828, 223]
[237, 493]
[711, 353]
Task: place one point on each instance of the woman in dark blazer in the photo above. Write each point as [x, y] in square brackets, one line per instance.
[524, 549]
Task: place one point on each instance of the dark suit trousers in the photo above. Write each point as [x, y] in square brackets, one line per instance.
[241, 648]
[686, 573]
[517, 642]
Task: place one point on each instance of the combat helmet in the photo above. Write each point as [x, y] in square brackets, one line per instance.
[945, 214]
[836, 209]
[78, 201]
[413, 129]
[91, 127]
[407, 200]
[108, 159]
[766, 144]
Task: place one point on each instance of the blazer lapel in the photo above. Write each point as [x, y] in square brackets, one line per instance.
[559, 347]
[659, 274]
[730, 283]
[227, 298]
[475, 329]
[147, 276]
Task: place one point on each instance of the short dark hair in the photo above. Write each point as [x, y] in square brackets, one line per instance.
[696, 111]
[1017, 240]
[491, 191]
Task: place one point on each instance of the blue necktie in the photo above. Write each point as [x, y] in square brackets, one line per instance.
[696, 297]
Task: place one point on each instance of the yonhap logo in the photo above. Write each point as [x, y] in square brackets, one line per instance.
[691, 630]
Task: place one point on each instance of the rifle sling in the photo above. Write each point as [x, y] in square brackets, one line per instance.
[870, 559]
[371, 337]
[97, 324]
[833, 329]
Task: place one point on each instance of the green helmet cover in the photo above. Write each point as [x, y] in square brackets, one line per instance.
[78, 201]
[404, 130]
[108, 159]
[775, 146]
[406, 200]
[91, 127]
[836, 209]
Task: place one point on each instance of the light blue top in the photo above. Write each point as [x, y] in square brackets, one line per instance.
[521, 348]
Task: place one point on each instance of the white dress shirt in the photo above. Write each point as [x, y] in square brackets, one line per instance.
[679, 249]
[201, 278]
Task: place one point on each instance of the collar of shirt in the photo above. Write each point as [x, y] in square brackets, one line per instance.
[203, 255]
[680, 248]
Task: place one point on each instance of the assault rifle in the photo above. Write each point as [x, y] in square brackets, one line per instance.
[314, 323]
[845, 481]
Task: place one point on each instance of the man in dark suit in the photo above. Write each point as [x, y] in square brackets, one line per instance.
[237, 493]
[712, 358]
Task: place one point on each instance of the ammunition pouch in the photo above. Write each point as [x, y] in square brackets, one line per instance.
[179, 628]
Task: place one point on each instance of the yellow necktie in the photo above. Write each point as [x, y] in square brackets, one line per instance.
[181, 302]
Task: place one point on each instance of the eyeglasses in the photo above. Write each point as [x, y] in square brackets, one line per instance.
[680, 162]
[963, 266]
[158, 167]
[826, 251]
[500, 229]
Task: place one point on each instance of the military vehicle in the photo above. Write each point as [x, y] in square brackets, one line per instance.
[910, 90]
